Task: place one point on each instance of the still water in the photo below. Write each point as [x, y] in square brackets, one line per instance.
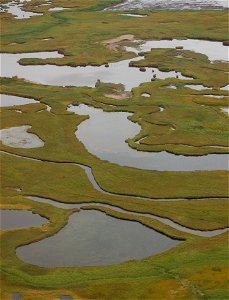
[92, 238]
[104, 134]
[11, 219]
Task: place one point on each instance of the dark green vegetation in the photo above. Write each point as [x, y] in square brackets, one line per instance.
[197, 268]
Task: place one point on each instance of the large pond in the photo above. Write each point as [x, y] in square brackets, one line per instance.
[92, 238]
[104, 135]
[11, 219]
[170, 5]
[118, 72]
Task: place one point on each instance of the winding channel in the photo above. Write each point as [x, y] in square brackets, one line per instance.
[165, 221]
[91, 178]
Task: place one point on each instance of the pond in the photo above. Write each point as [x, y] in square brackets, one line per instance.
[92, 238]
[11, 219]
[9, 100]
[18, 137]
[104, 134]
[118, 72]
[16, 9]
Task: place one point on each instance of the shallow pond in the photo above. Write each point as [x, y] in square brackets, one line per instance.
[18, 137]
[170, 5]
[15, 8]
[104, 135]
[92, 238]
[9, 100]
[11, 219]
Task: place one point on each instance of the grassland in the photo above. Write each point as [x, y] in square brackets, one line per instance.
[195, 269]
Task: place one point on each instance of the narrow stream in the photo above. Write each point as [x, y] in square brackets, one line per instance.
[91, 178]
[207, 233]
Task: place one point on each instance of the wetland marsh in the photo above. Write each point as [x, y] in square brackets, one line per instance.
[114, 150]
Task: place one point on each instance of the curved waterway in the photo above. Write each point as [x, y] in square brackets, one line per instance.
[92, 238]
[12, 219]
[166, 221]
[104, 134]
[91, 178]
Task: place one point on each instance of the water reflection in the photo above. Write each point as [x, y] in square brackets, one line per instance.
[11, 219]
[104, 135]
[92, 238]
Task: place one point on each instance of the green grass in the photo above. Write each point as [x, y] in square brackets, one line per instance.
[195, 269]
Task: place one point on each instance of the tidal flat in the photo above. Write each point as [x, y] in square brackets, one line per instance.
[87, 88]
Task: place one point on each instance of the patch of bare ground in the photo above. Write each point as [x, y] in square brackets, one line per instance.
[114, 44]
[119, 96]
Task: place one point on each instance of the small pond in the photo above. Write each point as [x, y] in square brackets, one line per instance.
[16, 9]
[18, 137]
[92, 238]
[11, 219]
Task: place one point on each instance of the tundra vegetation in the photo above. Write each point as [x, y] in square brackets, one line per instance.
[191, 124]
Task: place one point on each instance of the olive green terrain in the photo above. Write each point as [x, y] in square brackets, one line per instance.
[196, 268]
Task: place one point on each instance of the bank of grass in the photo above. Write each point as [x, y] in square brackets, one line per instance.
[197, 268]
[191, 64]
[200, 129]
[188, 270]
[69, 184]
[89, 29]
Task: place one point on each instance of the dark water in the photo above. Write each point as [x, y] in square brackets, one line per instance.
[92, 238]
[11, 219]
